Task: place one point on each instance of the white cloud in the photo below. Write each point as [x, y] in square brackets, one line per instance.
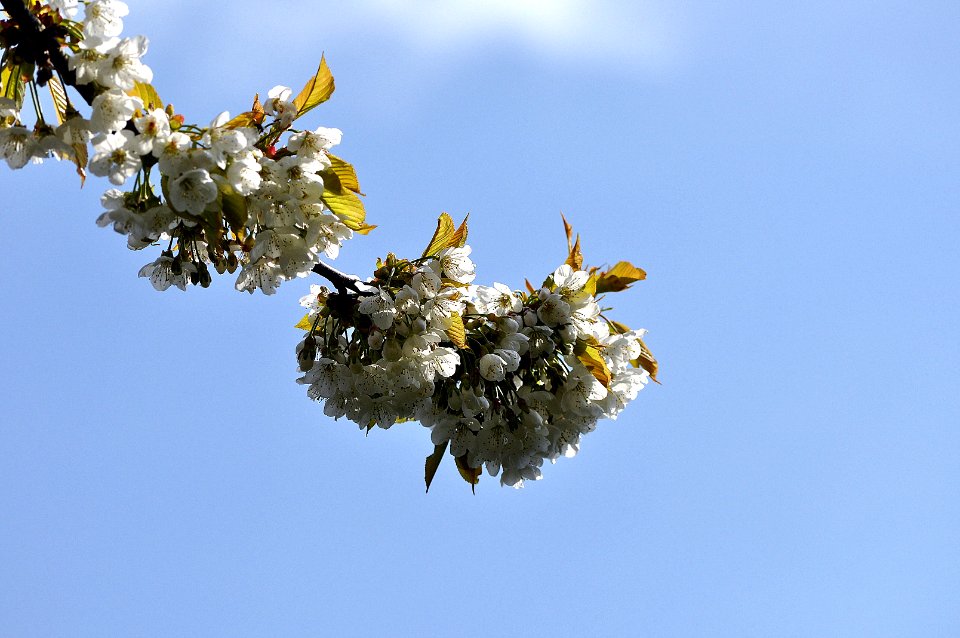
[636, 32]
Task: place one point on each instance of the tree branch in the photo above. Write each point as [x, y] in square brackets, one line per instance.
[40, 45]
[342, 281]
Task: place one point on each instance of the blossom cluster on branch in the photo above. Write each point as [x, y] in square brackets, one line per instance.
[506, 379]
[248, 193]
[503, 379]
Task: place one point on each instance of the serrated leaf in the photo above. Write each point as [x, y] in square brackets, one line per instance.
[447, 235]
[80, 159]
[432, 463]
[59, 96]
[349, 209]
[619, 277]
[306, 323]
[456, 331]
[147, 94]
[647, 361]
[593, 361]
[470, 474]
[247, 119]
[441, 237]
[460, 236]
[574, 255]
[345, 173]
[12, 83]
[317, 91]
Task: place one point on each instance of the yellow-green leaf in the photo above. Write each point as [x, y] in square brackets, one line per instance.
[80, 159]
[574, 255]
[456, 331]
[593, 361]
[432, 463]
[317, 91]
[11, 81]
[619, 277]
[234, 209]
[447, 235]
[306, 323]
[345, 173]
[243, 120]
[349, 209]
[646, 361]
[59, 96]
[460, 236]
[470, 474]
[621, 328]
[441, 237]
[147, 94]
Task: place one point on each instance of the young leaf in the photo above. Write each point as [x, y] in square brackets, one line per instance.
[317, 91]
[80, 159]
[460, 236]
[349, 209]
[447, 235]
[592, 360]
[470, 474]
[59, 96]
[306, 323]
[251, 118]
[433, 462]
[345, 172]
[456, 331]
[574, 255]
[147, 94]
[646, 361]
[619, 277]
[11, 80]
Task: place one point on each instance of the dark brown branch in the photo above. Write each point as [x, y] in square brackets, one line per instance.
[342, 281]
[40, 45]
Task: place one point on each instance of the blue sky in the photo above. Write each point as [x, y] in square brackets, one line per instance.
[786, 175]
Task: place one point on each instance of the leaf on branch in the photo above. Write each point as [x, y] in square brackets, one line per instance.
[12, 83]
[456, 332]
[80, 159]
[621, 328]
[619, 277]
[529, 286]
[447, 235]
[593, 361]
[349, 209]
[59, 96]
[317, 91]
[646, 361]
[234, 209]
[574, 255]
[345, 173]
[433, 462]
[470, 474]
[147, 94]
[306, 323]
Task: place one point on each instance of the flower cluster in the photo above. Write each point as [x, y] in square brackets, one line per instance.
[505, 379]
[247, 193]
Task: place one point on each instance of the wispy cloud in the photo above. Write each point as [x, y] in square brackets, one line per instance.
[641, 31]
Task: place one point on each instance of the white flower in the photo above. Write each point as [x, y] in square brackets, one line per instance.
[114, 158]
[85, 63]
[8, 108]
[102, 19]
[493, 367]
[279, 105]
[262, 274]
[154, 129]
[380, 307]
[66, 8]
[192, 191]
[316, 143]
[456, 265]
[498, 300]
[75, 131]
[226, 143]
[243, 174]
[160, 273]
[112, 110]
[17, 146]
[122, 67]
[553, 310]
